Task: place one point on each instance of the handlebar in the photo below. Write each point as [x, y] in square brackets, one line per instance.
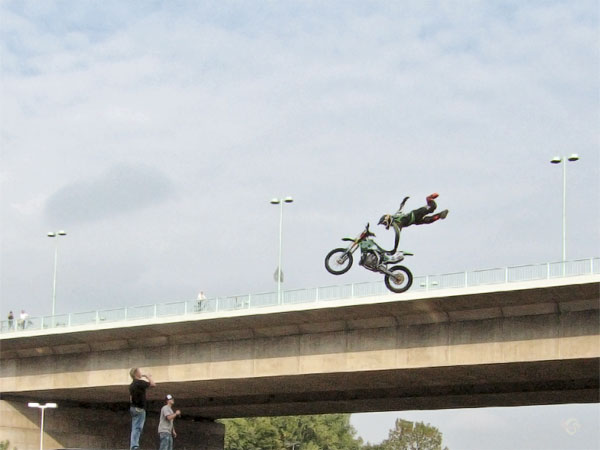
[369, 233]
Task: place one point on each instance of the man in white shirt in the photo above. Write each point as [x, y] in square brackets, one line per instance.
[23, 318]
[166, 430]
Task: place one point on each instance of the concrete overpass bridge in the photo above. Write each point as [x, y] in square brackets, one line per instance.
[526, 335]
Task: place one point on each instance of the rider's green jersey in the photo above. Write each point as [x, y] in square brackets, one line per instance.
[404, 220]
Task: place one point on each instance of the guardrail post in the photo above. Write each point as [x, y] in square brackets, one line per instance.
[216, 304]
[547, 271]
[155, 310]
[591, 266]
[466, 279]
[97, 317]
[42, 323]
[317, 294]
[185, 307]
[352, 290]
[506, 274]
[69, 319]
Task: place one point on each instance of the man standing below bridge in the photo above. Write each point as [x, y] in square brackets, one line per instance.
[137, 408]
[166, 430]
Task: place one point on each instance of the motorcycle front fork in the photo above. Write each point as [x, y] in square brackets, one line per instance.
[351, 248]
[383, 269]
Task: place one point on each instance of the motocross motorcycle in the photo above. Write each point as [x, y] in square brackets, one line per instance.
[372, 257]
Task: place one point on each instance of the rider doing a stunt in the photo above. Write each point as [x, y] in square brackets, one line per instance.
[418, 216]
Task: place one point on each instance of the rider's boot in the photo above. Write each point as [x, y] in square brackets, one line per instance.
[430, 219]
[432, 197]
[441, 215]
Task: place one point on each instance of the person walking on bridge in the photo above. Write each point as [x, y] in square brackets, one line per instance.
[166, 430]
[23, 318]
[137, 409]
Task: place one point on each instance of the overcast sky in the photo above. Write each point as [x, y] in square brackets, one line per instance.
[155, 133]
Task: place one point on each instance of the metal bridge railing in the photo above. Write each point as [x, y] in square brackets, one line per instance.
[511, 274]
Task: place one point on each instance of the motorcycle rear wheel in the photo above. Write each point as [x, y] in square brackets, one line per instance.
[401, 281]
[338, 261]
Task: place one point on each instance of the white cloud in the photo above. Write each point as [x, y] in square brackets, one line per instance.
[30, 206]
[122, 189]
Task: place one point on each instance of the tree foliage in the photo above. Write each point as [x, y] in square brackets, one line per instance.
[322, 432]
[408, 435]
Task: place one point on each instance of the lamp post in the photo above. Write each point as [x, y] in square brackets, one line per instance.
[42, 409]
[280, 202]
[55, 235]
[558, 160]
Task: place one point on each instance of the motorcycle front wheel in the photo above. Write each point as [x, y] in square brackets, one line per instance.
[338, 261]
[400, 281]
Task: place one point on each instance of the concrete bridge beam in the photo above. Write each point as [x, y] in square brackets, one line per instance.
[516, 344]
[96, 428]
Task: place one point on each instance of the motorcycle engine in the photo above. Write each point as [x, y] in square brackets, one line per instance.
[370, 261]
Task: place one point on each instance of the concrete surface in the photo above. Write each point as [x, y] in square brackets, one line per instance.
[505, 345]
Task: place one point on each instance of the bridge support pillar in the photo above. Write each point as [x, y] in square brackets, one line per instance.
[96, 428]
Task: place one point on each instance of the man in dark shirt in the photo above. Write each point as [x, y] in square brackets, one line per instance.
[137, 396]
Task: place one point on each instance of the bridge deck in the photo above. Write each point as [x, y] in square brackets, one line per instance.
[448, 305]
[511, 344]
[495, 279]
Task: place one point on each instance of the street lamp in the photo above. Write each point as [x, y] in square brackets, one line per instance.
[557, 160]
[55, 235]
[280, 202]
[42, 408]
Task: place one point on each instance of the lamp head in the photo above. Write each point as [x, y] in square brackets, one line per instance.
[556, 160]
[275, 201]
[33, 405]
[288, 200]
[62, 233]
[573, 157]
[51, 234]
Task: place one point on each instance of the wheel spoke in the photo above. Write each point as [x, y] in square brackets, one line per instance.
[400, 280]
[338, 261]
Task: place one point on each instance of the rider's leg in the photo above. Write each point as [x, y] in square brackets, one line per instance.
[430, 219]
[430, 201]
[420, 214]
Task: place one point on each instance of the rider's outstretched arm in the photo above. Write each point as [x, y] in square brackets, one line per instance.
[402, 204]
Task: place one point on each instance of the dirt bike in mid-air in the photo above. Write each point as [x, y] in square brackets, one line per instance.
[372, 257]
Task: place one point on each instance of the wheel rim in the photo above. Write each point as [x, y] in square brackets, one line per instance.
[399, 279]
[339, 263]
